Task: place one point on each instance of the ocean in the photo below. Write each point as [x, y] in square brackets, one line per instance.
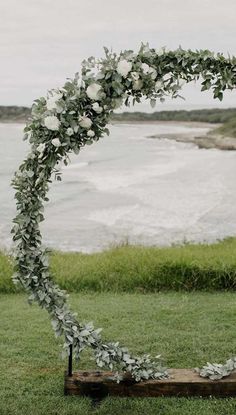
[129, 188]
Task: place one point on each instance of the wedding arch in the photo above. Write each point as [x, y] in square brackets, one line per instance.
[66, 120]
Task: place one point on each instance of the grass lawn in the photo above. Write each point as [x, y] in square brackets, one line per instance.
[186, 328]
[140, 269]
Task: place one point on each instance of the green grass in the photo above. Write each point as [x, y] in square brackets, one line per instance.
[228, 129]
[186, 328]
[141, 269]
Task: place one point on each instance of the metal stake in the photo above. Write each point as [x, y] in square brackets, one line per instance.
[70, 360]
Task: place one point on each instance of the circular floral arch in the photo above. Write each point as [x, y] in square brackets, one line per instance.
[66, 120]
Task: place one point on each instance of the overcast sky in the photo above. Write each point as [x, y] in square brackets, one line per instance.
[44, 41]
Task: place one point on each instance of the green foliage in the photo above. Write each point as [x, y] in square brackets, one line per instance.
[185, 328]
[214, 115]
[66, 120]
[14, 113]
[228, 129]
[6, 271]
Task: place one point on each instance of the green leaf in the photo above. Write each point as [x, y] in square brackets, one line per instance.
[153, 103]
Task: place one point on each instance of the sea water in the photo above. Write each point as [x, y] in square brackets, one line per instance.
[128, 187]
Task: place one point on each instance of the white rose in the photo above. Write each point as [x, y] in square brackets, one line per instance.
[158, 85]
[124, 67]
[90, 133]
[56, 142]
[137, 84]
[93, 91]
[69, 131]
[96, 107]
[52, 123]
[134, 76]
[85, 122]
[40, 149]
[145, 68]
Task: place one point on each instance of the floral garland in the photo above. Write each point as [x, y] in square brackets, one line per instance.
[66, 120]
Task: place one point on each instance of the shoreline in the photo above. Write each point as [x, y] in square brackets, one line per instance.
[207, 141]
[192, 124]
[202, 142]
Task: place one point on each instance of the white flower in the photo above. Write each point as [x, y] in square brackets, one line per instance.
[148, 70]
[124, 67]
[134, 76]
[96, 107]
[137, 84]
[52, 102]
[153, 73]
[90, 133]
[145, 68]
[93, 91]
[160, 51]
[85, 122]
[158, 85]
[40, 149]
[69, 131]
[52, 123]
[56, 142]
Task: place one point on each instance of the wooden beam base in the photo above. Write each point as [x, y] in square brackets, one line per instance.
[182, 382]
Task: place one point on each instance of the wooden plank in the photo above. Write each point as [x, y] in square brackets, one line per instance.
[182, 382]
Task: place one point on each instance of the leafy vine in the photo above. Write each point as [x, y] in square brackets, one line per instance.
[65, 121]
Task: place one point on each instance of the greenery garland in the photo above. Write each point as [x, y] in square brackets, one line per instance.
[66, 120]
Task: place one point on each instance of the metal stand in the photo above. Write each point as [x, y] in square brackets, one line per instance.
[70, 361]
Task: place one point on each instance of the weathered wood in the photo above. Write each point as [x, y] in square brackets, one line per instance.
[182, 382]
